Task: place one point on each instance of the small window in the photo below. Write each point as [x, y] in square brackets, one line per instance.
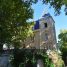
[45, 25]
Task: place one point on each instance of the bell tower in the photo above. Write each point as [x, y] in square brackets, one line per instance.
[45, 35]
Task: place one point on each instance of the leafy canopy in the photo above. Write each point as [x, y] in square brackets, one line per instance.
[13, 20]
[63, 40]
[56, 4]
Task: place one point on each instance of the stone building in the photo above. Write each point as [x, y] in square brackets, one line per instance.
[44, 34]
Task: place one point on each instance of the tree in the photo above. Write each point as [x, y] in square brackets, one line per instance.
[63, 42]
[56, 4]
[29, 58]
[13, 21]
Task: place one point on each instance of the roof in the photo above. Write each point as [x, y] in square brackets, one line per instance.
[36, 26]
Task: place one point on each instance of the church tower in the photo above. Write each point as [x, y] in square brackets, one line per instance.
[44, 33]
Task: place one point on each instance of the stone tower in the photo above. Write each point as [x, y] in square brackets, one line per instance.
[44, 33]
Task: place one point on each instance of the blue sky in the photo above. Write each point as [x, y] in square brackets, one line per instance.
[60, 21]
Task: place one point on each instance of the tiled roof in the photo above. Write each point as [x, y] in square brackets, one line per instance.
[36, 26]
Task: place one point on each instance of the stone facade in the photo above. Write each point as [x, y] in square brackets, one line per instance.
[44, 34]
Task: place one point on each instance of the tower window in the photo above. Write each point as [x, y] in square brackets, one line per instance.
[45, 25]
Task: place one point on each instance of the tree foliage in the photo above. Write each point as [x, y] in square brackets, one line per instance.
[13, 20]
[29, 58]
[63, 43]
[56, 4]
[63, 40]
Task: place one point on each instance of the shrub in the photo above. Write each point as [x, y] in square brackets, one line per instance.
[28, 58]
[56, 59]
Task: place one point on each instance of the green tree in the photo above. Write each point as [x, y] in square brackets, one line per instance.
[13, 20]
[63, 44]
[63, 40]
[56, 4]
